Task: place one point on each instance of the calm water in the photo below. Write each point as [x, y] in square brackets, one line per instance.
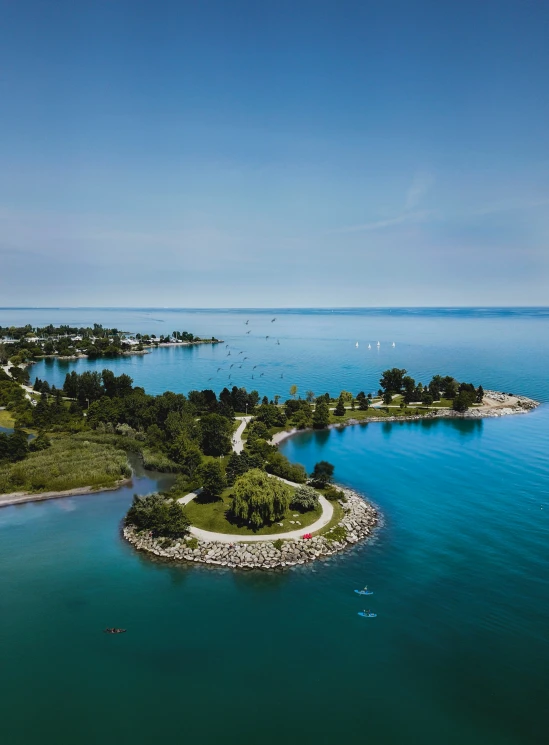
[459, 650]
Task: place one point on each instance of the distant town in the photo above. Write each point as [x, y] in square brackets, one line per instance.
[25, 343]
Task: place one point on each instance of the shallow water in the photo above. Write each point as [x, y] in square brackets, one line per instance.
[458, 652]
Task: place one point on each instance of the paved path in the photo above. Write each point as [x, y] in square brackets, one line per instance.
[238, 442]
[206, 535]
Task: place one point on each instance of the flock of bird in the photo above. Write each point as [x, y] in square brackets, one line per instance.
[239, 363]
[222, 369]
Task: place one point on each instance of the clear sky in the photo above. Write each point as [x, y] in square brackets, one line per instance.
[274, 153]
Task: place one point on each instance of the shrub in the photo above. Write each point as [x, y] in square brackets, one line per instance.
[278, 544]
[163, 517]
[333, 494]
[305, 499]
[279, 465]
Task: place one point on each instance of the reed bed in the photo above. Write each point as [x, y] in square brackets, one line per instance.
[67, 464]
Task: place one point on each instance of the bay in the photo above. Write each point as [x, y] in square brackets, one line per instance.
[459, 650]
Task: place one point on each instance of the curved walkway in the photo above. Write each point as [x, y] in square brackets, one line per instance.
[238, 442]
[207, 535]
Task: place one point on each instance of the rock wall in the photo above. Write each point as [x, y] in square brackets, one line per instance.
[359, 520]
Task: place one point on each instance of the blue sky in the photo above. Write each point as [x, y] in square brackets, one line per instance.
[219, 154]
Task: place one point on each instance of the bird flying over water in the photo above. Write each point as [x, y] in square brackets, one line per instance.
[267, 336]
[226, 345]
[245, 358]
[262, 374]
[229, 354]
[231, 366]
[253, 368]
[248, 332]
[218, 369]
[241, 353]
[274, 319]
[247, 322]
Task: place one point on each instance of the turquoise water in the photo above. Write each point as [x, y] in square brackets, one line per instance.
[459, 650]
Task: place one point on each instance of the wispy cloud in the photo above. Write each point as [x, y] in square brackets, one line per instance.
[421, 216]
[421, 183]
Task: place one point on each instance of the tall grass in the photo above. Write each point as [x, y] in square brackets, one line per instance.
[68, 464]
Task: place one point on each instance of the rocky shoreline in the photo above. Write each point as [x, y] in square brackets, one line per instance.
[358, 522]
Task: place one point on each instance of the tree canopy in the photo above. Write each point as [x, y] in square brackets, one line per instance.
[260, 499]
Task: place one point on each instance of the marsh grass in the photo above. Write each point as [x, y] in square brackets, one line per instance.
[68, 464]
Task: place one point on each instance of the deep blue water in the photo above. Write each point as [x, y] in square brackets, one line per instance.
[459, 651]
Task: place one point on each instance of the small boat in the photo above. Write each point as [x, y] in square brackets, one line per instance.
[378, 344]
[367, 615]
[364, 592]
[356, 345]
[114, 631]
[394, 345]
[369, 346]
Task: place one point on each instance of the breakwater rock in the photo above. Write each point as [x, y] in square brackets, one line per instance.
[358, 521]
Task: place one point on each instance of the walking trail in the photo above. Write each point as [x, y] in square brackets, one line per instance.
[207, 535]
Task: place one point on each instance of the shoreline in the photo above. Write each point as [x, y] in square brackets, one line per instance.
[123, 353]
[505, 405]
[8, 500]
[361, 518]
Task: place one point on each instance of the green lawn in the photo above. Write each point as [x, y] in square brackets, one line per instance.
[337, 516]
[67, 464]
[213, 516]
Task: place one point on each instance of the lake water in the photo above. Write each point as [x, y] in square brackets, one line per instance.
[459, 651]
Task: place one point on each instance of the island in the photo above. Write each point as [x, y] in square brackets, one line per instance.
[23, 344]
[236, 500]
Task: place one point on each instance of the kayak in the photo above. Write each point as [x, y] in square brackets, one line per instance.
[364, 592]
[114, 631]
[367, 615]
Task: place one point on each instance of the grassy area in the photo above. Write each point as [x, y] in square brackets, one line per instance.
[68, 464]
[214, 516]
[337, 516]
[6, 419]
[444, 403]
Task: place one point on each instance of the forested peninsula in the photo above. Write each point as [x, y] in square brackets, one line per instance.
[23, 344]
[231, 484]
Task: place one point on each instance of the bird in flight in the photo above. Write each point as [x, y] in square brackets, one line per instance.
[253, 368]
[274, 319]
[247, 322]
[267, 336]
[226, 345]
[229, 354]
[231, 366]
[241, 353]
[262, 374]
[249, 332]
[245, 358]
[218, 369]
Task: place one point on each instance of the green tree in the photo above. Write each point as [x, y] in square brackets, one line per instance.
[260, 499]
[215, 434]
[186, 453]
[293, 391]
[323, 473]
[391, 380]
[321, 416]
[340, 408]
[480, 394]
[387, 397]
[213, 479]
[310, 397]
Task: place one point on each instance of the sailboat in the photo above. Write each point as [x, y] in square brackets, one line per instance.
[356, 345]
[378, 344]
[369, 346]
[394, 345]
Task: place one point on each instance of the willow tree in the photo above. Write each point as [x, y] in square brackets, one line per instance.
[260, 499]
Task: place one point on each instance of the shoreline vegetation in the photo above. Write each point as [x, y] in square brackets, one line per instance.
[26, 344]
[232, 486]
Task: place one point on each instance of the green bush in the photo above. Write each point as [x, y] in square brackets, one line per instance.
[339, 533]
[160, 515]
[278, 544]
[333, 494]
[279, 465]
[304, 499]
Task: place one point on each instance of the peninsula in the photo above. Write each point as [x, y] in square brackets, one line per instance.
[236, 500]
[23, 344]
